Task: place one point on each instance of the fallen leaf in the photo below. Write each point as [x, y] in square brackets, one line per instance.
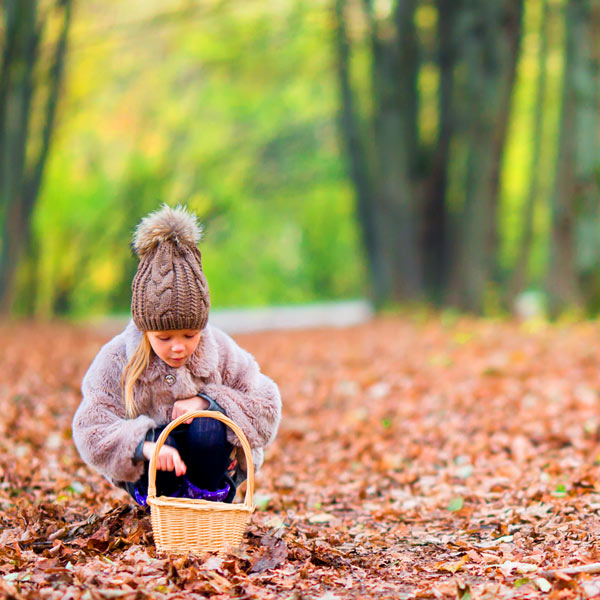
[322, 518]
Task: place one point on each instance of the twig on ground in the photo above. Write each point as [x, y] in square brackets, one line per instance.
[589, 568]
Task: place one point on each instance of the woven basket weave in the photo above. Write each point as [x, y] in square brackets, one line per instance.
[182, 525]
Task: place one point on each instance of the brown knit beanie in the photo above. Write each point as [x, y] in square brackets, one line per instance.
[169, 289]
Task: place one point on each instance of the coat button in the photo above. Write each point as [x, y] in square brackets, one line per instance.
[170, 379]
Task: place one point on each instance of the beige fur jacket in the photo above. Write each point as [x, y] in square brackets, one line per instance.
[107, 439]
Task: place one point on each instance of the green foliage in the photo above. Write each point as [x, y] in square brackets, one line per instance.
[243, 132]
[518, 154]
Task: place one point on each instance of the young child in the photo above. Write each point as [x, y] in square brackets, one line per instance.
[166, 363]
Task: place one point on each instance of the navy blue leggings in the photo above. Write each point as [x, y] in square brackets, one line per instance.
[204, 449]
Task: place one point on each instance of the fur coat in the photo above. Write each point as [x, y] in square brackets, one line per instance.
[107, 439]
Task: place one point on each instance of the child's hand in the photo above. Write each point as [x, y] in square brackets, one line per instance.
[181, 407]
[168, 458]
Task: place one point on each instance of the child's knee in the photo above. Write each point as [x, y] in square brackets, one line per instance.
[207, 433]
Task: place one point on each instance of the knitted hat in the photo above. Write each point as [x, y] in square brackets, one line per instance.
[169, 289]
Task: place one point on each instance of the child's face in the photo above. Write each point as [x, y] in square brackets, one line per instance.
[174, 346]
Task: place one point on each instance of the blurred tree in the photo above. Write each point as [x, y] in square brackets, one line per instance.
[491, 36]
[384, 152]
[436, 235]
[588, 235]
[401, 176]
[519, 278]
[34, 43]
[577, 193]
[358, 160]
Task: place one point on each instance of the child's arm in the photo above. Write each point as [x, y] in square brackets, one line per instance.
[251, 399]
[104, 436]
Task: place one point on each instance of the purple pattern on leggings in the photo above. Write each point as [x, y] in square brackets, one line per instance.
[197, 493]
[188, 490]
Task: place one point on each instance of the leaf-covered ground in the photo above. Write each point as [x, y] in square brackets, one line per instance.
[417, 458]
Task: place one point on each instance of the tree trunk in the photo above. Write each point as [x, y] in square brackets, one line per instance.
[436, 243]
[357, 158]
[20, 56]
[20, 180]
[490, 51]
[588, 157]
[387, 204]
[394, 77]
[563, 285]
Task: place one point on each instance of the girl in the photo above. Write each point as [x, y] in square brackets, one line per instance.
[169, 362]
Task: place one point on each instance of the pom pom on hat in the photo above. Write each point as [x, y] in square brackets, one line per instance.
[166, 224]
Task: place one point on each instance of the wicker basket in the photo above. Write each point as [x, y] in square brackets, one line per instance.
[182, 525]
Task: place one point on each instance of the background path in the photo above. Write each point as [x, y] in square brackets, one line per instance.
[272, 318]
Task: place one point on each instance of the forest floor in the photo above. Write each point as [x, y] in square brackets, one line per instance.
[417, 458]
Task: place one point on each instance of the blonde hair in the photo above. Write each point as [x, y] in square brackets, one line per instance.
[131, 373]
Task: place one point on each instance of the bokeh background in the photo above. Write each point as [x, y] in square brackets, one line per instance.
[428, 152]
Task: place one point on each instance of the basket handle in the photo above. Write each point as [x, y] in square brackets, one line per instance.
[212, 415]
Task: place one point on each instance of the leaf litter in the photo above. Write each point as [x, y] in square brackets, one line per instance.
[396, 473]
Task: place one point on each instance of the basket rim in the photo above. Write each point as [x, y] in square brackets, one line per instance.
[198, 504]
[249, 497]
